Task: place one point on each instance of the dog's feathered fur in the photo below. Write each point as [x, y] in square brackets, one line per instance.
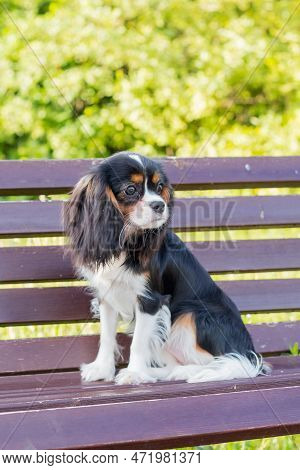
[117, 222]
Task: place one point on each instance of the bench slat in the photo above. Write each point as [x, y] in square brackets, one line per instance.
[286, 367]
[65, 353]
[40, 391]
[65, 304]
[162, 423]
[58, 176]
[35, 218]
[47, 263]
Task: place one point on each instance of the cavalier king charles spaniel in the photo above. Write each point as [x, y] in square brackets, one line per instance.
[184, 326]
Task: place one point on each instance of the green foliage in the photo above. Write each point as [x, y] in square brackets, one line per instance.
[290, 442]
[85, 78]
[294, 350]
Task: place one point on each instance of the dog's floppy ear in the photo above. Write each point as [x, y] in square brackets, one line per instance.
[92, 221]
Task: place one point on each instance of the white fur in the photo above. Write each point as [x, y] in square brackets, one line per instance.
[183, 361]
[103, 367]
[137, 158]
[117, 285]
[180, 348]
[182, 344]
[169, 363]
[117, 290]
[140, 353]
[149, 335]
[95, 308]
[160, 335]
[227, 367]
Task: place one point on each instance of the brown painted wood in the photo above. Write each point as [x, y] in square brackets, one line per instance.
[57, 176]
[66, 353]
[42, 391]
[57, 304]
[54, 354]
[236, 212]
[163, 423]
[45, 263]
[247, 255]
[274, 337]
[37, 263]
[65, 304]
[30, 218]
[264, 295]
[36, 218]
[285, 367]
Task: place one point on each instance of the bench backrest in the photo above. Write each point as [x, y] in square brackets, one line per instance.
[42, 218]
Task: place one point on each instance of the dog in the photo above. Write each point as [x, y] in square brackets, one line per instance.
[185, 326]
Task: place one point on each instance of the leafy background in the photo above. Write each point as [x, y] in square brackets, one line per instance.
[86, 78]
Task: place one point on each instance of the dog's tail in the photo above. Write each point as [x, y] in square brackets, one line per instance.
[230, 366]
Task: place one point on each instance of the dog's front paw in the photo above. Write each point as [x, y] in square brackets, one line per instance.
[127, 376]
[95, 371]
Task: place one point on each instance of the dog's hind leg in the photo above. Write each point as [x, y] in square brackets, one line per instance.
[182, 355]
[182, 343]
[169, 361]
[197, 365]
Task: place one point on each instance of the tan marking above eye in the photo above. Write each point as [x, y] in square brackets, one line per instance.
[137, 178]
[155, 177]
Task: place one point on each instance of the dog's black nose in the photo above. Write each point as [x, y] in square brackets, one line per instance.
[157, 206]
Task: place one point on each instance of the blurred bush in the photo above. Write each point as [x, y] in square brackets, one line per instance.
[85, 78]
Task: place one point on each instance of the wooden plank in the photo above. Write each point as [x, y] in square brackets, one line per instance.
[66, 353]
[36, 218]
[51, 354]
[30, 218]
[273, 338]
[236, 212]
[264, 295]
[62, 389]
[47, 263]
[162, 423]
[241, 256]
[57, 304]
[284, 366]
[58, 176]
[66, 304]
[35, 263]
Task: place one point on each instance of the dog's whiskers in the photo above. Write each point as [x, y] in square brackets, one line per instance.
[122, 235]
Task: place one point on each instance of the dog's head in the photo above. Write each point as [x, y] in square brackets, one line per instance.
[123, 202]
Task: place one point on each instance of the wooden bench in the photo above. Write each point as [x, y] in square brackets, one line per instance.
[43, 404]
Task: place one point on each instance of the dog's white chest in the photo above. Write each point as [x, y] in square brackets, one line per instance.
[117, 286]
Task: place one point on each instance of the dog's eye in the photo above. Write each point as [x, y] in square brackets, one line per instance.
[130, 190]
[159, 188]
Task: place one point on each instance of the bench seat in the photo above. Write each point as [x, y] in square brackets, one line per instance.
[55, 410]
